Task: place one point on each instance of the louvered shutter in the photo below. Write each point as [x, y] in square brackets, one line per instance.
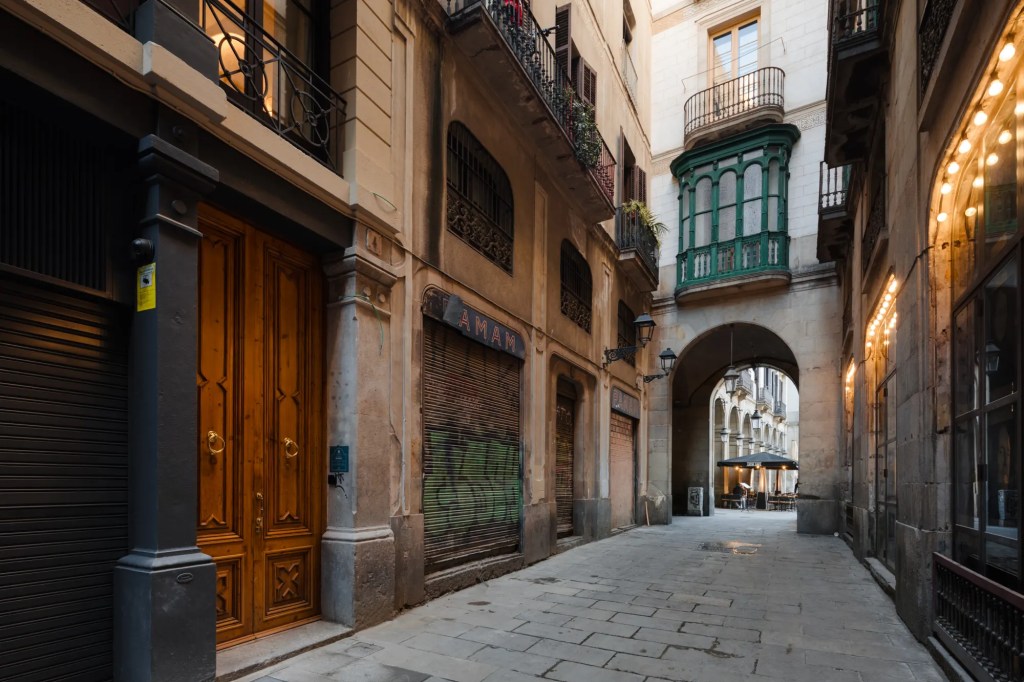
[640, 184]
[472, 492]
[64, 476]
[563, 39]
[588, 83]
[565, 447]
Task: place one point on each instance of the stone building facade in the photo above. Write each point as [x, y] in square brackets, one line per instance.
[320, 329]
[920, 210]
[738, 133]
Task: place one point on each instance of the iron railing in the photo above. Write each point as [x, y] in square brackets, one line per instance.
[744, 383]
[629, 74]
[279, 89]
[930, 36]
[779, 409]
[525, 38]
[765, 400]
[854, 18]
[979, 621]
[833, 188]
[873, 228]
[749, 92]
[631, 233]
[749, 254]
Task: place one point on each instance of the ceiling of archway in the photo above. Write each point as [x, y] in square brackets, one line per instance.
[706, 360]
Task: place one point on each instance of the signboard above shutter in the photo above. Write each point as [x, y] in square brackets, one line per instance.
[450, 309]
[625, 403]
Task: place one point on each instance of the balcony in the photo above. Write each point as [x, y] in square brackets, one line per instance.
[835, 215]
[765, 400]
[734, 106]
[744, 386]
[858, 62]
[505, 46]
[259, 75]
[779, 410]
[638, 250]
[977, 620]
[755, 261]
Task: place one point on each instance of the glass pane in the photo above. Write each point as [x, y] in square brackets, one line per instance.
[773, 214]
[722, 56]
[1001, 450]
[702, 223]
[684, 239]
[773, 178]
[726, 223]
[747, 58]
[703, 195]
[1000, 350]
[965, 368]
[727, 189]
[752, 177]
[1000, 207]
[966, 473]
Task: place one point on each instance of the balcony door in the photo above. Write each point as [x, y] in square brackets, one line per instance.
[734, 56]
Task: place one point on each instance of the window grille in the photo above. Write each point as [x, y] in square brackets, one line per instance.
[627, 332]
[577, 286]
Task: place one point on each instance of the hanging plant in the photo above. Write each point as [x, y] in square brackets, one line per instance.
[645, 218]
[586, 138]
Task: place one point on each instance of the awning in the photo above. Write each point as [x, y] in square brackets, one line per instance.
[764, 460]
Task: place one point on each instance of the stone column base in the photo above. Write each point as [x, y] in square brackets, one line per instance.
[409, 560]
[358, 575]
[816, 516]
[165, 628]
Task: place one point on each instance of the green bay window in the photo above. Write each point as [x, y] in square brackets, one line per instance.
[732, 206]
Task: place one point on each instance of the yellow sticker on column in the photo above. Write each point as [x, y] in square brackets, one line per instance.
[145, 288]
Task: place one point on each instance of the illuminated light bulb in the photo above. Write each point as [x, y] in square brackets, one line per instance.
[970, 211]
[941, 217]
[979, 182]
[980, 118]
[1005, 137]
[885, 304]
[871, 332]
[888, 297]
[992, 159]
[1006, 54]
[946, 188]
[964, 147]
[892, 287]
[868, 344]
[995, 87]
[953, 167]
[1019, 109]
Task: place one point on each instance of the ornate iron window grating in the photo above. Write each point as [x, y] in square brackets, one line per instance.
[480, 207]
[577, 287]
[937, 15]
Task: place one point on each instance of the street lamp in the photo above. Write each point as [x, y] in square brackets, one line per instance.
[731, 375]
[668, 360]
[755, 424]
[644, 325]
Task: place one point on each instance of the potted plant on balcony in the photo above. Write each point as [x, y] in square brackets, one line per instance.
[640, 213]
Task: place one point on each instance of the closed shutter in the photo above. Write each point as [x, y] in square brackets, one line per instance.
[472, 491]
[586, 83]
[563, 39]
[565, 449]
[621, 470]
[63, 481]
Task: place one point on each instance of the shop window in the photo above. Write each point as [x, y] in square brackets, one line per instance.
[977, 204]
[480, 209]
[577, 287]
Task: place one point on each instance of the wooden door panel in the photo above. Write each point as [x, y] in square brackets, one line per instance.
[223, 517]
[292, 352]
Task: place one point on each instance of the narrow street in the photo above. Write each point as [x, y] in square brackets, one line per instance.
[733, 597]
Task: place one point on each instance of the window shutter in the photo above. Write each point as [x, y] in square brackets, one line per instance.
[563, 42]
[640, 178]
[587, 83]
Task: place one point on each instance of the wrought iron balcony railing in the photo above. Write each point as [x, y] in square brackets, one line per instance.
[750, 254]
[631, 233]
[120, 12]
[525, 38]
[765, 400]
[629, 74]
[763, 88]
[744, 384]
[276, 87]
[978, 620]
[833, 188]
[780, 409]
[854, 19]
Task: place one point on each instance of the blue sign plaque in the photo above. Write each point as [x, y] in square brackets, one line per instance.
[339, 459]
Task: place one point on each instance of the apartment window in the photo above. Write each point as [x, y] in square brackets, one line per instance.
[577, 286]
[627, 330]
[734, 51]
[480, 209]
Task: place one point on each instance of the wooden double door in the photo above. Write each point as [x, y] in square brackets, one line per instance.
[259, 369]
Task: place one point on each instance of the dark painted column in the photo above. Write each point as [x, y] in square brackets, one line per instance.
[173, 24]
[164, 589]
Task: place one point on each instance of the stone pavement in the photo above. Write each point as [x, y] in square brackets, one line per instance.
[735, 597]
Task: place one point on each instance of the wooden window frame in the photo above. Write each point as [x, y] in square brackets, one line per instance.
[733, 29]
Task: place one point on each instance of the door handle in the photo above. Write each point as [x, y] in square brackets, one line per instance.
[259, 513]
[291, 448]
[212, 438]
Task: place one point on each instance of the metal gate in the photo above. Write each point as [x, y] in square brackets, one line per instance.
[565, 449]
[472, 482]
[63, 480]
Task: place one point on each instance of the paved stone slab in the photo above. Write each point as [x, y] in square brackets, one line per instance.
[647, 605]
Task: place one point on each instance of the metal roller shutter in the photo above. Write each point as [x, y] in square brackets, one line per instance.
[472, 481]
[565, 449]
[621, 470]
[63, 481]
